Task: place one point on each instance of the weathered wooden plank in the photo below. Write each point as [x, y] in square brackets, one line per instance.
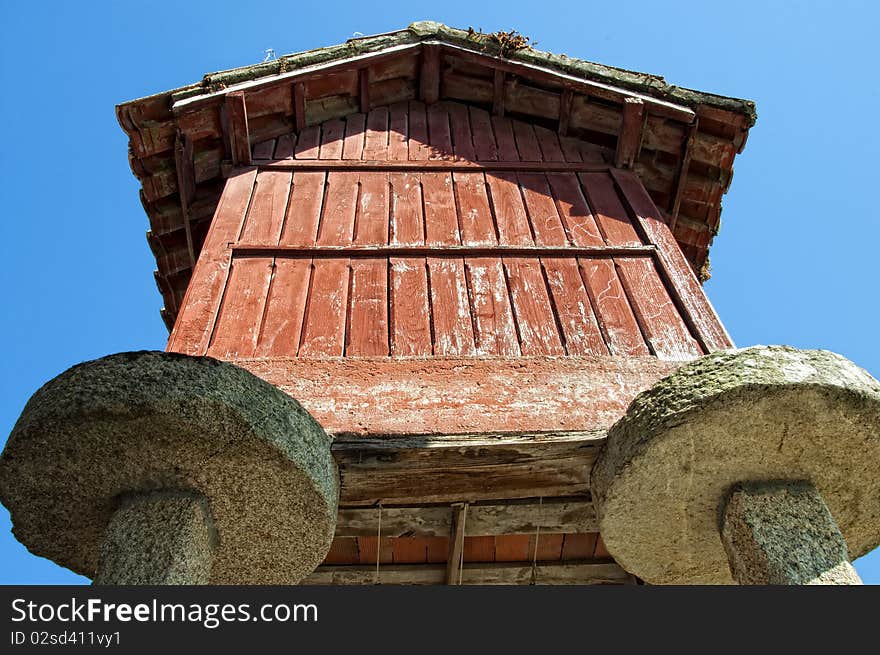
[535, 321]
[474, 214]
[284, 146]
[325, 314]
[462, 141]
[580, 226]
[542, 211]
[477, 574]
[238, 322]
[660, 320]
[577, 322]
[238, 136]
[526, 141]
[410, 308]
[195, 323]
[483, 136]
[304, 210]
[376, 140]
[695, 305]
[398, 131]
[612, 218]
[264, 149]
[548, 142]
[462, 395]
[338, 216]
[549, 515]
[267, 209]
[299, 106]
[499, 87]
[307, 144]
[419, 143]
[364, 90]
[432, 250]
[407, 223]
[186, 186]
[439, 132]
[441, 220]
[613, 312]
[353, 146]
[372, 550]
[285, 308]
[511, 218]
[332, 134]
[565, 111]
[629, 138]
[503, 129]
[456, 542]
[494, 326]
[429, 78]
[409, 550]
[368, 321]
[450, 308]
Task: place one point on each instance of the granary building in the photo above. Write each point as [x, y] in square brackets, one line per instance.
[436, 316]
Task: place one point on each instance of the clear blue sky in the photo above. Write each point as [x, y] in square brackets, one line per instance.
[795, 263]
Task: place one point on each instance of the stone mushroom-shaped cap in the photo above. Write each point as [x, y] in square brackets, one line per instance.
[144, 421]
[761, 413]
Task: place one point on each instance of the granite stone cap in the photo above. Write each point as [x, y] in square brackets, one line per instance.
[760, 413]
[146, 421]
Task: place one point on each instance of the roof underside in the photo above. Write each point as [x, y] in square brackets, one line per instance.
[680, 142]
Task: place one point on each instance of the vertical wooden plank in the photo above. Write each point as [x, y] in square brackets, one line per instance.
[548, 142]
[284, 146]
[696, 306]
[535, 319]
[475, 217]
[543, 214]
[629, 138]
[526, 141]
[332, 133]
[410, 308]
[268, 208]
[238, 136]
[661, 323]
[483, 136]
[439, 132]
[493, 316]
[371, 225]
[337, 221]
[580, 331]
[241, 311]
[571, 149]
[615, 317]
[565, 101]
[398, 142]
[308, 142]
[503, 129]
[429, 77]
[573, 210]
[264, 149]
[407, 223]
[353, 146]
[450, 307]
[441, 221]
[304, 209]
[499, 90]
[299, 106]
[368, 324]
[364, 90]
[511, 219]
[194, 325]
[611, 216]
[376, 142]
[285, 308]
[419, 144]
[462, 142]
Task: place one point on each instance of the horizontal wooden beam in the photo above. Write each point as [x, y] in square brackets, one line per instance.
[261, 250]
[429, 165]
[475, 574]
[557, 515]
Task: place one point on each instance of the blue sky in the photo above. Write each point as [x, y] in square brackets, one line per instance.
[795, 262]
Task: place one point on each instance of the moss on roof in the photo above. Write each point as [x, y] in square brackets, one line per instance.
[652, 85]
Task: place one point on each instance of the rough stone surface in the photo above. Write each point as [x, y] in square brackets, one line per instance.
[762, 413]
[146, 421]
[158, 538]
[781, 533]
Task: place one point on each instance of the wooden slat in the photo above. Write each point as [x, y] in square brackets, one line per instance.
[550, 515]
[462, 141]
[410, 308]
[612, 218]
[503, 129]
[526, 141]
[479, 549]
[661, 323]
[695, 305]
[195, 323]
[434, 250]
[450, 308]
[456, 542]
[613, 312]
[565, 111]
[580, 226]
[332, 134]
[629, 138]
[307, 144]
[407, 222]
[376, 141]
[264, 149]
[441, 220]
[437, 163]
[478, 574]
[494, 325]
[353, 146]
[429, 77]
[572, 306]
[548, 142]
[439, 132]
[303, 210]
[299, 106]
[398, 131]
[285, 308]
[483, 136]
[368, 322]
[474, 214]
[284, 146]
[239, 319]
[511, 218]
[535, 320]
[542, 211]
[238, 136]
[419, 144]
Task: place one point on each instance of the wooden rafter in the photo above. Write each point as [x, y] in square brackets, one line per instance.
[237, 129]
[186, 186]
[681, 178]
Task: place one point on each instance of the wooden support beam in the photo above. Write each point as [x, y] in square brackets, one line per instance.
[186, 186]
[364, 86]
[565, 102]
[629, 139]
[681, 178]
[299, 106]
[498, 92]
[515, 573]
[429, 77]
[456, 542]
[262, 250]
[558, 515]
[431, 165]
[237, 134]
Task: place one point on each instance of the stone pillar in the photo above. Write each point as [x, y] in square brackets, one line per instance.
[781, 533]
[158, 538]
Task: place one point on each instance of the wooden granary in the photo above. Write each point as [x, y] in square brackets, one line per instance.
[464, 260]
